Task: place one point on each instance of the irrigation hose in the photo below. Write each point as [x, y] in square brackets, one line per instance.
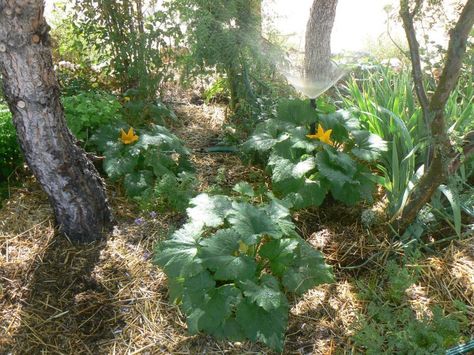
[461, 349]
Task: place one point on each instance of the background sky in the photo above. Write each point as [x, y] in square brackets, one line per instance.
[357, 21]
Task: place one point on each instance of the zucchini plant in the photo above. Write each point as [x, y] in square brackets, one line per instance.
[306, 166]
[231, 266]
[143, 161]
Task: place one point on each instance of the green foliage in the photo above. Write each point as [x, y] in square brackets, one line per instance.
[390, 326]
[87, 111]
[304, 170]
[172, 192]
[10, 155]
[69, 45]
[155, 164]
[77, 79]
[448, 205]
[217, 91]
[385, 101]
[132, 37]
[78, 66]
[231, 265]
[138, 111]
[225, 37]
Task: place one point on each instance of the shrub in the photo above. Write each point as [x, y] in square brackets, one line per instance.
[10, 155]
[138, 111]
[87, 111]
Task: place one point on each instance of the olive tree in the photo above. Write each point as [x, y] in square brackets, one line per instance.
[31, 89]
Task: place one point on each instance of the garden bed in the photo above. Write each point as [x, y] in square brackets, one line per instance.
[108, 297]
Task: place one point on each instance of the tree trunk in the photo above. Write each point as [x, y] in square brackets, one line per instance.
[72, 183]
[318, 64]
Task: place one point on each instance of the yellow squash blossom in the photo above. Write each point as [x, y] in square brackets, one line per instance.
[128, 138]
[322, 135]
[243, 248]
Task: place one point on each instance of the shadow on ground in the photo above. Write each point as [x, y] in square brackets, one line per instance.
[67, 308]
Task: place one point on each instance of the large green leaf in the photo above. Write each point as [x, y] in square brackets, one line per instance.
[266, 294]
[159, 136]
[211, 309]
[196, 289]
[177, 256]
[341, 122]
[161, 163]
[369, 146]
[310, 193]
[273, 127]
[361, 188]
[252, 223]
[296, 111]
[308, 270]
[348, 193]
[137, 182]
[279, 211]
[219, 253]
[284, 169]
[287, 187]
[299, 140]
[263, 142]
[175, 289]
[260, 325]
[118, 165]
[209, 210]
[337, 167]
[244, 188]
[106, 138]
[230, 329]
[284, 149]
[280, 253]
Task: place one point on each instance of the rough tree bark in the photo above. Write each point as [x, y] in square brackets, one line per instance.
[73, 185]
[317, 64]
[444, 159]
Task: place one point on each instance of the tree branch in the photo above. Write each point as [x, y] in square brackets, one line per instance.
[417, 7]
[456, 49]
[408, 25]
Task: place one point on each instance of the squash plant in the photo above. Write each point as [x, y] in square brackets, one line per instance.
[232, 265]
[141, 158]
[305, 167]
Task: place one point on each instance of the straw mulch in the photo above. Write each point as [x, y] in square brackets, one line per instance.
[108, 297]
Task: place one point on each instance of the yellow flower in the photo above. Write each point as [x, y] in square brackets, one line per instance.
[243, 248]
[128, 138]
[126, 99]
[323, 136]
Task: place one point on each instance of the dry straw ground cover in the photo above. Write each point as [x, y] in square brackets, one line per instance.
[108, 298]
